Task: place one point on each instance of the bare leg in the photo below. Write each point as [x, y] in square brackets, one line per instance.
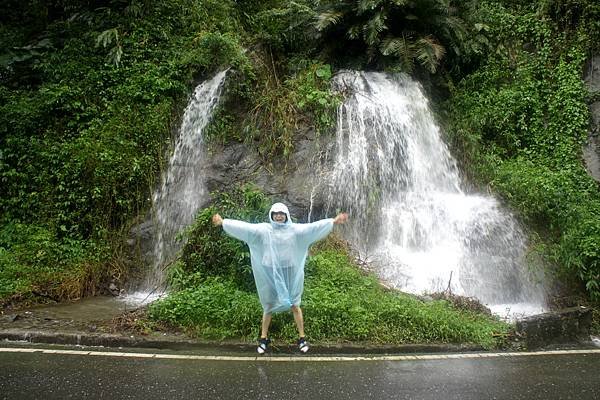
[299, 320]
[266, 322]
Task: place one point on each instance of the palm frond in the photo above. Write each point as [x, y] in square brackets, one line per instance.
[373, 28]
[393, 46]
[442, 6]
[401, 48]
[366, 5]
[429, 52]
[354, 32]
[456, 28]
[328, 18]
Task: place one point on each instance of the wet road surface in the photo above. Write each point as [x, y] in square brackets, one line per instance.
[36, 375]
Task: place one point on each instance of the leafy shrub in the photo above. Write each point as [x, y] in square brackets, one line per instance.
[209, 252]
[279, 105]
[35, 265]
[521, 120]
[216, 309]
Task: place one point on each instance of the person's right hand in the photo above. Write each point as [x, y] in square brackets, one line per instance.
[217, 220]
[341, 218]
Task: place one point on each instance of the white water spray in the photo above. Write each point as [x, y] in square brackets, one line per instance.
[182, 190]
[411, 219]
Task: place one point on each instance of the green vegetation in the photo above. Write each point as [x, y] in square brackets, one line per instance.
[36, 266]
[520, 122]
[216, 298]
[90, 94]
[92, 91]
[396, 34]
[279, 106]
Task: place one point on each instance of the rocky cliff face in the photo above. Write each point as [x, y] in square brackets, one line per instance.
[591, 151]
[289, 181]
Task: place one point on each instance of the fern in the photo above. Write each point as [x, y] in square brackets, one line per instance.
[327, 19]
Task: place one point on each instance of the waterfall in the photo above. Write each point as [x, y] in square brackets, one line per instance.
[182, 190]
[410, 217]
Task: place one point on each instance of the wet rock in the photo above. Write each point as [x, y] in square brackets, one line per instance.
[558, 327]
[140, 242]
[13, 317]
[287, 180]
[113, 289]
[228, 166]
[592, 73]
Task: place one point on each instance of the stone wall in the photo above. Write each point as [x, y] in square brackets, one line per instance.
[568, 325]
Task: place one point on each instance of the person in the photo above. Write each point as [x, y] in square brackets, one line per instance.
[278, 253]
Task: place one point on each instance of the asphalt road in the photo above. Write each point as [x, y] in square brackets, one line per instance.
[37, 375]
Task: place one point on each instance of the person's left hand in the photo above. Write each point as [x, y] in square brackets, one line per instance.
[217, 220]
[341, 218]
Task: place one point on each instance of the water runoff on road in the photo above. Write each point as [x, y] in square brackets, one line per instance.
[410, 216]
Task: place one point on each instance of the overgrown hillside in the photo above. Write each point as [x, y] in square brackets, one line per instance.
[520, 121]
[92, 92]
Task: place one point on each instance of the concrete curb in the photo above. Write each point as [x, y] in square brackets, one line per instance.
[178, 343]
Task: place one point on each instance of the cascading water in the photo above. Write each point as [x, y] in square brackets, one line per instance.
[411, 219]
[182, 191]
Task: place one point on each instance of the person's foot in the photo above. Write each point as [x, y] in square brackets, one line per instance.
[263, 345]
[303, 345]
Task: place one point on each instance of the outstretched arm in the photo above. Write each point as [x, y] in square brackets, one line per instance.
[317, 230]
[238, 229]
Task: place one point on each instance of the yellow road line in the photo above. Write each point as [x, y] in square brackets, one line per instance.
[412, 357]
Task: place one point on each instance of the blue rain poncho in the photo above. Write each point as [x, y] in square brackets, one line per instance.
[277, 253]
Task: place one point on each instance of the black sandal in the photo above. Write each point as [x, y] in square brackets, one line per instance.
[303, 345]
[263, 345]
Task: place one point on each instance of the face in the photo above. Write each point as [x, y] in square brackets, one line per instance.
[278, 216]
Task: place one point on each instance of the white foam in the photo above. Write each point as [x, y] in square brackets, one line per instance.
[142, 298]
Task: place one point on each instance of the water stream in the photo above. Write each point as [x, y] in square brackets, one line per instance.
[182, 190]
[411, 218]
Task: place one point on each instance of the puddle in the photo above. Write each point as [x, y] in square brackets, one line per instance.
[88, 313]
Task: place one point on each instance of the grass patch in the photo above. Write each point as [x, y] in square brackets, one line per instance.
[37, 266]
[340, 303]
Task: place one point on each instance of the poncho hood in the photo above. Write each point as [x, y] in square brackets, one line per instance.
[280, 207]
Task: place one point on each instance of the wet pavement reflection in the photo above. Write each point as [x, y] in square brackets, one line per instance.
[50, 376]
